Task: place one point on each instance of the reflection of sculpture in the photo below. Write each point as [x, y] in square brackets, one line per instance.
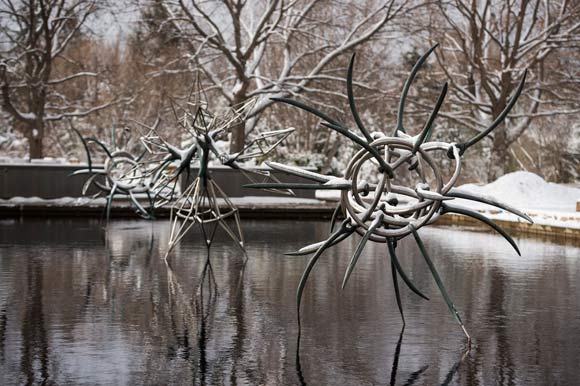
[387, 211]
[159, 171]
[413, 377]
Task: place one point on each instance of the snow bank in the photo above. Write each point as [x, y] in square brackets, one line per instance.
[526, 191]
[546, 203]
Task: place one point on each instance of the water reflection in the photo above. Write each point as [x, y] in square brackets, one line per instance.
[413, 377]
[77, 308]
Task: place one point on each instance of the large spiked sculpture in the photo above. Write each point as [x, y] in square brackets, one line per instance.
[387, 211]
[159, 172]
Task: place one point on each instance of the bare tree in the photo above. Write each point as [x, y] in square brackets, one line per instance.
[268, 48]
[35, 36]
[488, 46]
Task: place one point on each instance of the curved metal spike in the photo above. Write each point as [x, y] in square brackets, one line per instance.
[86, 146]
[88, 183]
[313, 247]
[151, 205]
[406, 88]
[356, 139]
[426, 132]
[397, 291]
[483, 219]
[334, 217]
[374, 224]
[86, 171]
[140, 156]
[429, 195]
[337, 126]
[307, 108]
[110, 201]
[299, 172]
[489, 201]
[512, 101]
[141, 211]
[399, 268]
[438, 280]
[351, 101]
[101, 145]
[312, 263]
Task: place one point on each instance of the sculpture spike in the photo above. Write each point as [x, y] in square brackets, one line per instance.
[426, 132]
[399, 268]
[307, 108]
[489, 201]
[374, 224]
[485, 220]
[86, 147]
[101, 145]
[356, 139]
[397, 292]
[438, 280]
[335, 214]
[313, 247]
[511, 102]
[351, 100]
[110, 201]
[407, 86]
[312, 263]
[337, 126]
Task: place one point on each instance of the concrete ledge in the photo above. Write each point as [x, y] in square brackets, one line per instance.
[515, 228]
[260, 208]
[249, 207]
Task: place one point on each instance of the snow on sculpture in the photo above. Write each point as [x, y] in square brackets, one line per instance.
[162, 168]
[387, 211]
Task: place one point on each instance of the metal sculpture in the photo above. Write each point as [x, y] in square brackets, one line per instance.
[387, 211]
[122, 174]
[203, 202]
[160, 171]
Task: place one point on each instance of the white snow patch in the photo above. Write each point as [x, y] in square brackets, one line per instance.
[527, 191]
[28, 116]
[546, 203]
[100, 201]
[328, 195]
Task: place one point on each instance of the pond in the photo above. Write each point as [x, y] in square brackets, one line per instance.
[81, 306]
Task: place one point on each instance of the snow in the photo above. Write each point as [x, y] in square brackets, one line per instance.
[328, 195]
[527, 191]
[246, 201]
[28, 116]
[546, 203]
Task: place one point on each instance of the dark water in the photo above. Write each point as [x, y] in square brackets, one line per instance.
[82, 307]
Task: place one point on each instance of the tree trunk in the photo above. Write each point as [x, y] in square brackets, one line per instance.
[239, 128]
[238, 137]
[35, 135]
[499, 157]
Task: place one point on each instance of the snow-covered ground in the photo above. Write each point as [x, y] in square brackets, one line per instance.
[546, 203]
[120, 201]
[527, 191]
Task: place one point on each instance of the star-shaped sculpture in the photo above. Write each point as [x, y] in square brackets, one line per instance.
[387, 211]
